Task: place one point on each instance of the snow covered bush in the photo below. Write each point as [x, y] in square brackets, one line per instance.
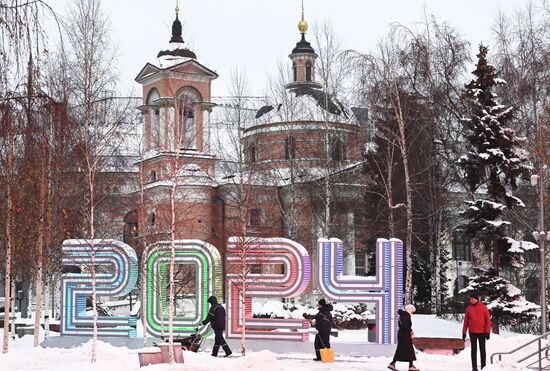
[505, 302]
[345, 316]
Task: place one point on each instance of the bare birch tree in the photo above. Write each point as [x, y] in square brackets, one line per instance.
[90, 65]
[414, 77]
[21, 44]
[247, 216]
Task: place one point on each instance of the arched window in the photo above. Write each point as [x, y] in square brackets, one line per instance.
[154, 113]
[152, 176]
[253, 153]
[337, 149]
[461, 246]
[308, 72]
[152, 219]
[290, 147]
[295, 71]
[130, 227]
[187, 99]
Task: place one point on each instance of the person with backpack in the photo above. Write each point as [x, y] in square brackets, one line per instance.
[216, 317]
[477, 322]
[323, 325]
[405, 335]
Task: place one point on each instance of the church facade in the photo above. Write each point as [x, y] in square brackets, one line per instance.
[211, 169]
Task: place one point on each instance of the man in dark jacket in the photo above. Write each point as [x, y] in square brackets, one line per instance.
[323, 325]
[477, 322]
[405, 350]
[216, 318]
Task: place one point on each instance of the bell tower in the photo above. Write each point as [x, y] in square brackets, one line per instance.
[176, 107]
[303, 59]
[177, 165]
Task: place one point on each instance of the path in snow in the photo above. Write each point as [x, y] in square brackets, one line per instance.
[23, 357]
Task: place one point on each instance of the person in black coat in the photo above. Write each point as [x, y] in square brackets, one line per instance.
[323, 325]
[216, 318]
[405, 335]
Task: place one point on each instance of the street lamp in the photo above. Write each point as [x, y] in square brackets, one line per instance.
[542, 236]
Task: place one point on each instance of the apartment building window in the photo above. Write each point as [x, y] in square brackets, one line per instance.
[462, 249]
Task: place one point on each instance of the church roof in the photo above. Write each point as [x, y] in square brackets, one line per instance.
[151, 69]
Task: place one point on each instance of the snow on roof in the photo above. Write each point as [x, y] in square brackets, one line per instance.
[189, 175]
[279, 177]
[302, 108]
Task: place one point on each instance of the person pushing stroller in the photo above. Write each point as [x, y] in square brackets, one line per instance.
[216, 317]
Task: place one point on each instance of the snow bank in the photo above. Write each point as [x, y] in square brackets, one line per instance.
[109, 358]
[112, 358]
[23, 357]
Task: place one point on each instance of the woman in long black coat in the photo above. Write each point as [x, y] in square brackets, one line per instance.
[405, 349]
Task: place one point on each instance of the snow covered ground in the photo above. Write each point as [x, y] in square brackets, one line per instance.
[23, 357]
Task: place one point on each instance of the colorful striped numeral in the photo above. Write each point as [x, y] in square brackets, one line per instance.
[265, 253]
[117, 272]
[385, 289]
[207, 281]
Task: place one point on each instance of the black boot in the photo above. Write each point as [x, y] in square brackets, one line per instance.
[227, 351]
[215, 350]
[317, 356]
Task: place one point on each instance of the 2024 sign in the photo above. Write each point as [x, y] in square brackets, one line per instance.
[384, 290]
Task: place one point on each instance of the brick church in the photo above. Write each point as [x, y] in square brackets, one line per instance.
[288, 166]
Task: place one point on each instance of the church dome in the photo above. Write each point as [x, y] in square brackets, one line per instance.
[177, 41]
[303, 46]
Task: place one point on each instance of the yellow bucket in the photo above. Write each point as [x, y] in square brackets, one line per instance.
[327, 355]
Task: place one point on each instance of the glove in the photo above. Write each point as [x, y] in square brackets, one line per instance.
[463, 337]
[487, 336]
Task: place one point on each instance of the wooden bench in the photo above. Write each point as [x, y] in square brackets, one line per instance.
[439, 345]
[24, 330]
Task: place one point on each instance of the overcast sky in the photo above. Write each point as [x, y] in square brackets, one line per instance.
[256, 35]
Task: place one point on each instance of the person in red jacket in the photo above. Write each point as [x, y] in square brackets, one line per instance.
[477, 322]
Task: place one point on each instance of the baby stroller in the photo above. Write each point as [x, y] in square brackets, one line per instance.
[192, 342]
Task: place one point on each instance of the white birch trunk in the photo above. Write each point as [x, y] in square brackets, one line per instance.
[7, 278]
[400, 118]
[143, 232]
[57, 297]
[94, 308]
[172, 263]
[144, 299]
[40, 263]
[91, 185]
[47, 310]
[243, 304]
[12, 317]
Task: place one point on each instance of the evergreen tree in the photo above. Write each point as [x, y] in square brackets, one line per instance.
[493, 163]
